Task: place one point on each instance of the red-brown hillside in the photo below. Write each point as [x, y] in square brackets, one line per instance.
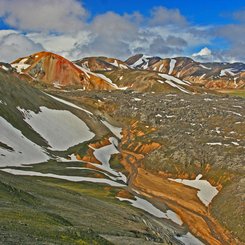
[53, 69]
[101, 63]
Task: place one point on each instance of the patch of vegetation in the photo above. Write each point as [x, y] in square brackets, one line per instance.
[37, 210]
[231, 213]
[234, 92]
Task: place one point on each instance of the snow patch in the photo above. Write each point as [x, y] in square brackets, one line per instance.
[61, 129]
[115, 63]
[206, 192]
[214, 143]
[115, 130]
[4, 68]
[172, 78]
[225, 72]
[149, 208]
[104, 154]
[69, 178]
[176, 86]
[69, 103]
[143, 60]
[205, 67]
[24, 150]
[189, 239]
[20, 67]
[161, 66]
[137, 99]
[171, 66]
[123, 66]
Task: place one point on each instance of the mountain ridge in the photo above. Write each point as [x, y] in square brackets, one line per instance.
[55, 70]
[139, 72]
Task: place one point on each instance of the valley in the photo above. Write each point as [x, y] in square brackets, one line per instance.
[118, 155]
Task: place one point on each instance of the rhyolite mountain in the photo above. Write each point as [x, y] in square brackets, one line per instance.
[103, 151]
[141, 73]
[101, 63]
[211, 75]
[57, 71]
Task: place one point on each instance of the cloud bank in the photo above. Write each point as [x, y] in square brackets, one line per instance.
[64, 27]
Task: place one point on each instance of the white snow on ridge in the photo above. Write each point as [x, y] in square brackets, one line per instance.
[123, 66]
[189, 239]
[141, 61]
[20, 67]
[205, 67]
[25, 151]
[23, 61]
[229, 71]
[108, 80]
[115, 130]
[202, 76]
[69, 178]
[144, 205]
[115, 63]
[104, 154]
[4, 68]
[171, 65]
[87, 72]
[160, 68]
[149, 208]
[206, 192]
[69, 103]
[61, 129]
[174, 82]
[178, 87]
[172, 78]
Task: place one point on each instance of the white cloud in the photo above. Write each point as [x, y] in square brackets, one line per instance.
[43, 15]
[14, 45]
[60, 42]
[61, 26]
[203, 52]
[162, 16]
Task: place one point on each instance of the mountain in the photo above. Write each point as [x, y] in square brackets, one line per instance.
[211, 75]
[142, 73]
[101, 63]
[54, 70]
[6, 67]
[128, 77]
[155, 160]
[140, 61]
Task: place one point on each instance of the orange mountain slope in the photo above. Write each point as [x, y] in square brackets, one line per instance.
[55, 70]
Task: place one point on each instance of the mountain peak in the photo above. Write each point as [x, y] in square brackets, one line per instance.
[55, 70]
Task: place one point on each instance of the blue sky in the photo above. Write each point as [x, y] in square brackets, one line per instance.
[211, 30]
[200, 12]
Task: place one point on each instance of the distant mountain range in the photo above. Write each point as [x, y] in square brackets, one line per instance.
[139, 72]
